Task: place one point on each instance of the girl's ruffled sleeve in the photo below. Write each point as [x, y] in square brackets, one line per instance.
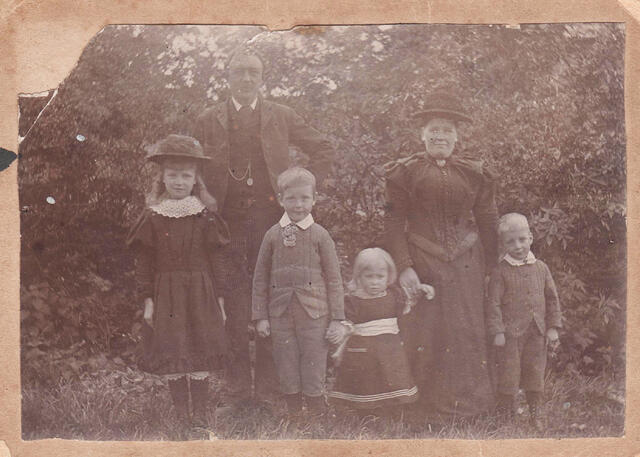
[217, 232]
[350, 310]
[141, 240]
[401, 299]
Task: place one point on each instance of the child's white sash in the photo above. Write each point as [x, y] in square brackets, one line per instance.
[370, 328]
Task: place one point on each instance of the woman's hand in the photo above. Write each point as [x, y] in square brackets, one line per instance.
[428, 291]
[221, 305]
[499, 340]
[409, 281]
[263, 328]
[148, 311]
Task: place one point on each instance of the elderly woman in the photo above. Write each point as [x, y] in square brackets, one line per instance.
[440, 228]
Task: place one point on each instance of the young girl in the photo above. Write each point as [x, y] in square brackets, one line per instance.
[374, 370]
[174, 241]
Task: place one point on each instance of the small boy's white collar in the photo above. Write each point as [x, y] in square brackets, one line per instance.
[530, 258]
[303, 224]
[237, 105]
[187, 206]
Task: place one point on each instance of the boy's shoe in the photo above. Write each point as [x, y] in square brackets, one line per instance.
[294, 403]
[199, 399]
[315, 405]
[180, 395]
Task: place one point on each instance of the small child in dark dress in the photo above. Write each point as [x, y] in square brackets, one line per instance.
[174, 241]
[523, 313]
[373, 367]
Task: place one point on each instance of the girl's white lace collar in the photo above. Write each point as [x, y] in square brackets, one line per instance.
[187, 206]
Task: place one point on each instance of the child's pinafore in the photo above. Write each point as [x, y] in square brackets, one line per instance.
[374, 371]
[175, 242]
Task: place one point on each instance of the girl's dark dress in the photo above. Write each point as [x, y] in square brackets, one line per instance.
[174, 267]
[374, 371]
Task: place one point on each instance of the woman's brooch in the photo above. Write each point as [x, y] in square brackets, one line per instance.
[289, 235]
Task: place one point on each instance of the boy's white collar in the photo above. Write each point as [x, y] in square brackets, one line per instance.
[530, 258]
[303, 224]
[187, 206]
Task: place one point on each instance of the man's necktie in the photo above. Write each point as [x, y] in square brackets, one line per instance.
[244, 116]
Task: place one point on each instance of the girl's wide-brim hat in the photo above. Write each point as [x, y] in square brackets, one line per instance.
[443, 105]
[177, 147]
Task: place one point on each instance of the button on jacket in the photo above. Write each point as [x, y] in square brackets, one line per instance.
[519, 295]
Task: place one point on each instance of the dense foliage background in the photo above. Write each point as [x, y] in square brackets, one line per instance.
[547, 102]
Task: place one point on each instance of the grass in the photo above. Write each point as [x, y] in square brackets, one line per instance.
[124, 404]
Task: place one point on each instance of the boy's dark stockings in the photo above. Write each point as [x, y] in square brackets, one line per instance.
[505, 407]
[199, 400]
[315, 405]
[294, 403]
[180, 395]
[536, 416]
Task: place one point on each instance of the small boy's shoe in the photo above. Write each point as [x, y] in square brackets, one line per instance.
[180, 395]
[294, 403]
[315, 405]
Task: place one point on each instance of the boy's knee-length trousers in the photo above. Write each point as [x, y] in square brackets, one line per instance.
[522, 361]
[300, 350]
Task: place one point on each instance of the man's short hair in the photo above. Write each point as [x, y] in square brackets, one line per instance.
[245, 51]
[512, 221]
[296, 176]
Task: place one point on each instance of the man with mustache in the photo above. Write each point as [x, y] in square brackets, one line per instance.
[248, 139]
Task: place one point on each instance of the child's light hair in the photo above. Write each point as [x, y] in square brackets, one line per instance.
[296, 176]
[368, 257]
[512, 221]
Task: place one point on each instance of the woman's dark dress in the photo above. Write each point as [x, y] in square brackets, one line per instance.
[374, 371]
[441, 220]
[173, 266]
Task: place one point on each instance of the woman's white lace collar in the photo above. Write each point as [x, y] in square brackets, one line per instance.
[187, 206]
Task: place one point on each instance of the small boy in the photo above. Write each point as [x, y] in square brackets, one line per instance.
[297, 292]
[522, 306]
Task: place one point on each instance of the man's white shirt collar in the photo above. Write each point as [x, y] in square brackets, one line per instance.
[303, 224]
[530, 258]
[238, 105]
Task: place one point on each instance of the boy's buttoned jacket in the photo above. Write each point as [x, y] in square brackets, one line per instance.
[520, 294]
[310, 270]
[280, 126]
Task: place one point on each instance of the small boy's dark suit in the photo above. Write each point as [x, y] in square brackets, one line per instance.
[523, 303]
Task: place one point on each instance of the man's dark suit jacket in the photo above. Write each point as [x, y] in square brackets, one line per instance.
[280, 126]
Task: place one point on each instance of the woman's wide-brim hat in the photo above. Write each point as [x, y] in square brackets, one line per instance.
[443, 105]
[177, 147]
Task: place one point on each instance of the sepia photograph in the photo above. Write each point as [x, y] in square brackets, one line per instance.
[336, 232]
